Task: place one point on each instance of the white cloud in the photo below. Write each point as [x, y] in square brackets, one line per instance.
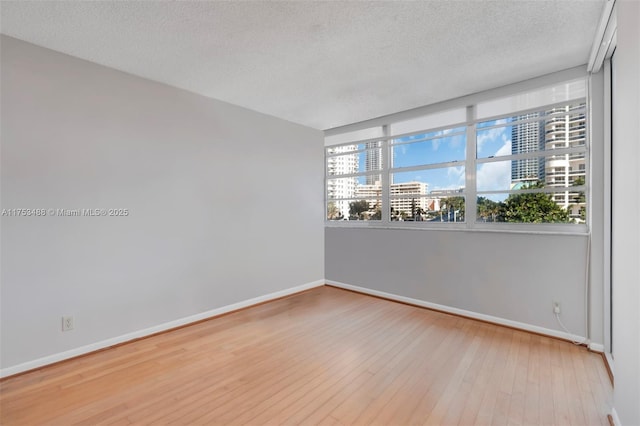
[496, 175]
[456, 141]
[457, 175]
[491, 134]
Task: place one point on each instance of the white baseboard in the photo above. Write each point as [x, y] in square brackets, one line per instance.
[596, 347]
[461, 312]
[609, 358]
[50, 359]
[616, 419]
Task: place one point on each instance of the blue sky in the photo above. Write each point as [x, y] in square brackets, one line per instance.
[494, 142]
[490, 142]
[450, 146]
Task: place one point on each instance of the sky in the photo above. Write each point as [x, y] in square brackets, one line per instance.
[493, 145]
[451, 146]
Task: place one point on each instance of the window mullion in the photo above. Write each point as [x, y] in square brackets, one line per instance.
[387, 158]
[470, 168]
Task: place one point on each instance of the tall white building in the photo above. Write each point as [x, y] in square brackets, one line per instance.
[527, 137]
[372, 160]
[404, 197]
[566, 131]
[342, 187]
[412, 192]
[561, 129]
[371, 193]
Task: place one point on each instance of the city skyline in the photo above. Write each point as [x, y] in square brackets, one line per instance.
[540, 132]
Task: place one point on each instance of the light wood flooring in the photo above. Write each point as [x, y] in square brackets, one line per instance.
[325, 356]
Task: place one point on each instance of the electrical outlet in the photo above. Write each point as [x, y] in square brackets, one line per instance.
[67, 323]
[556, 307]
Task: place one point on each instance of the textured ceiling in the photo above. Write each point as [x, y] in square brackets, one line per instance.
[320, 64]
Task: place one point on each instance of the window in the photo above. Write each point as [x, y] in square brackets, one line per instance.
[427, 176]
[521, 161]
[354, 189]
[530, 168]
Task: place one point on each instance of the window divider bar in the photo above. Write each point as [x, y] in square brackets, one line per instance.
[355, 151]
[470, 169]
[428, 166]
[359, 174]
[534, 154]
[543, 190]
[388, 136]
[430, 130]
[387, 159]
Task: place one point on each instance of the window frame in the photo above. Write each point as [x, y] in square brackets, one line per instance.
[471, 163]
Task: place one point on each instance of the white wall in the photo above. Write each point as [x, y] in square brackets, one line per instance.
[510, 276]
[225, 203]
[626, 205]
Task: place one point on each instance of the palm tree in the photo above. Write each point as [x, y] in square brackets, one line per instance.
[333, 212]
[357, 209]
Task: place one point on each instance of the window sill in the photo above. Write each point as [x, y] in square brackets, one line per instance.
[536, 229]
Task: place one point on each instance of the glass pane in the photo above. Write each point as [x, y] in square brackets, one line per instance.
[336, 210]
[565, 130]
[556, 171]
[452, 209]
[348, 197]
[343, 164]
[428, 209]
[413, 208]
[565, 170]
[355, 209]
[491, 123]
[560, 207]
[429, 151]
[510, 139]
[441, 181]
[366, 161]
[510, 175]
[556, 128]
[354, 187]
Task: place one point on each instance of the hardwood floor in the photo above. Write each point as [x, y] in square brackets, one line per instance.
[325, 356]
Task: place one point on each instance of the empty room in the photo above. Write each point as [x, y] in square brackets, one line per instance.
[320, 212]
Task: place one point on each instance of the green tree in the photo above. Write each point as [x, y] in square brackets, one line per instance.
[489, 210]
[357, 209]
[452, 204]
[579, 198]
[534, 208]
[333, 212]
[395, 214]
[377, 213]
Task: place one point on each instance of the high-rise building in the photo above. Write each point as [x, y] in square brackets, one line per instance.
[411, 202]
[564, 129]
[372, 193]
[342, 187]
[412, 192]
[527, 137]
[372, 160]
